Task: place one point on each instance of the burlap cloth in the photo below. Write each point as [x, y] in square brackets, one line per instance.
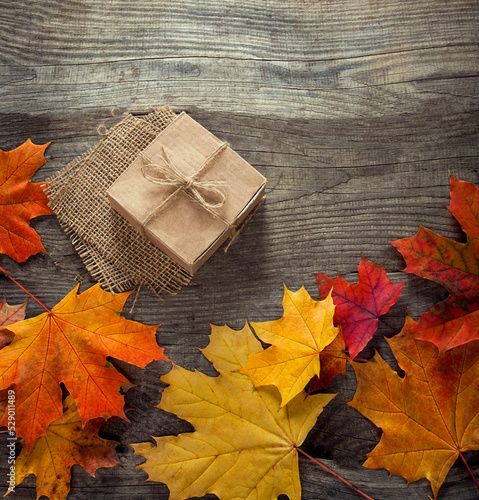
[113, 251]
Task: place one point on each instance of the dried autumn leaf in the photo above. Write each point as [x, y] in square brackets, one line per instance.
[358, 307]
[64, 444]
[70, 344]
[21, 200]
[430, 416]
[8, 315]
[454, 321]
[297, 339]
[244, 444]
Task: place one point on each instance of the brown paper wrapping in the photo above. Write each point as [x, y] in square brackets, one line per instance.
[188, 232]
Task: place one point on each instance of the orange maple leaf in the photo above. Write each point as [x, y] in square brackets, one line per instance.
[65, 443]
[430, 416]
[21, 200]
[297, 339]
[69, 345]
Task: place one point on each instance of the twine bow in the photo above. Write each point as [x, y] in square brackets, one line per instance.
[161, 170]
[164, 172]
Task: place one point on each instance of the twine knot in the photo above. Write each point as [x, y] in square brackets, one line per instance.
[161, 170]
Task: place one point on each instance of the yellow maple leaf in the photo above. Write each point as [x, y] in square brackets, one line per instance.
[297, 339]
[245, 444]
[65, 443]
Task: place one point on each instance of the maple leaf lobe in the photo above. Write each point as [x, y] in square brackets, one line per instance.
[21, 200]
[465, 206]
[332, 362]
[11, 314]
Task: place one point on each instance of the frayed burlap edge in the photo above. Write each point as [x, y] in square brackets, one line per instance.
[113, 252]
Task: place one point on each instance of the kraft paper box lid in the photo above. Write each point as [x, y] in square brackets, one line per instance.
[168, 215]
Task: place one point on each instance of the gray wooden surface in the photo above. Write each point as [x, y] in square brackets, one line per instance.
[354, 110]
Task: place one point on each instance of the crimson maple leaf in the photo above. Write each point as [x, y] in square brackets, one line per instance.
[454, 265]
[358, 307]
[21, 200]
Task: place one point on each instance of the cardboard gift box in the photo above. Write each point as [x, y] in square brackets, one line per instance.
[187, 192]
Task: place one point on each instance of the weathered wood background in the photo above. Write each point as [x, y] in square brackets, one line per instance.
[354, 110]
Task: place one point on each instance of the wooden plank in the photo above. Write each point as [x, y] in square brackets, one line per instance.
[287, 58]
[354, 111]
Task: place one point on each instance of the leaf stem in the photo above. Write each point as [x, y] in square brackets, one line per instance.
[469, 469]
[335, 474]
[7, 274]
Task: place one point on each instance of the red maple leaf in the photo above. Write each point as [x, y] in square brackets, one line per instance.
[358, 307]
[21, 200]
[455, 266]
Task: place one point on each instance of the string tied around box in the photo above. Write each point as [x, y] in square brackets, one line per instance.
[161, 170]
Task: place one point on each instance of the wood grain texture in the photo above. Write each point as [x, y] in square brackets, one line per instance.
[355, 112]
